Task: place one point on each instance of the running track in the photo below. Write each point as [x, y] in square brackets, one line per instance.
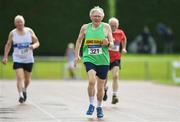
[67, 101]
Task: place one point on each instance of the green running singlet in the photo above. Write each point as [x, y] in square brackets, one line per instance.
[93, 52]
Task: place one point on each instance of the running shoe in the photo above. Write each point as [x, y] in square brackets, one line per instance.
[105, 95]
[21, 99]
[115, 100]
[99, 112]
[90, 110]
[25, 96]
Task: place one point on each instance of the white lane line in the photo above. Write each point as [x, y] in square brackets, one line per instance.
[45, 112]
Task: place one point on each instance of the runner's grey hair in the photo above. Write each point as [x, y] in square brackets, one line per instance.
[115, 20]
[19, 17]
[97, 8]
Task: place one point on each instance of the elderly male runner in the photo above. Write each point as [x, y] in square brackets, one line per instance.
[98, 37]
[115, 56]
[24, 41]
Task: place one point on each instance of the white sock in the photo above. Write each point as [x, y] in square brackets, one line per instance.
[99, 104]
[21, 94]
[114, 93]
[91, 100]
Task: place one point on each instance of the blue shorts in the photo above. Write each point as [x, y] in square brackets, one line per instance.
[101, 70]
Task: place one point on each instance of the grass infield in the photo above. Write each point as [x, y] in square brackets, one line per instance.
[134, 67]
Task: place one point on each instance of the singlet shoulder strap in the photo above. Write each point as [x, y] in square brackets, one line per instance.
[27, 30]
[14, 32]
[102, 25]
[89, 25]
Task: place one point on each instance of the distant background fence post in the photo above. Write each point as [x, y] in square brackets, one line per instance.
[146, 71]
[1, 70]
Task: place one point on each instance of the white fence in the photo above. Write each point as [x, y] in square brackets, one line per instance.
[175, 66]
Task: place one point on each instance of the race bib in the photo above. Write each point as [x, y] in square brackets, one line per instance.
[24, 52]
[23, 49]
[115, 48]
[95, 51]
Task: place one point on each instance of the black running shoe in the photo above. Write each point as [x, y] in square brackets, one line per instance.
[105, 95]
[25, 96]
[21, 99]
[115, 100]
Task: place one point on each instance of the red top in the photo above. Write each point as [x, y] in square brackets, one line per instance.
[119, 38]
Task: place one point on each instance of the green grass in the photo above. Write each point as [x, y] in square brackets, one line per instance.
[134, 67]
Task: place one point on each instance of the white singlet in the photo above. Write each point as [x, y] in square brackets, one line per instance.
[22, 53]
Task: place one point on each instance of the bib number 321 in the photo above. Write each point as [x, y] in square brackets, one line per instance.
[95, 51]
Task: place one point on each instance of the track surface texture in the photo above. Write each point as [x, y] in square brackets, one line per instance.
[67, 101]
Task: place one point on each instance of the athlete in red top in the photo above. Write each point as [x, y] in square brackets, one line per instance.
[119, 39]
[115, 56]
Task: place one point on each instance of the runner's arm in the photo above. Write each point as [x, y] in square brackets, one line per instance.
[35, 40]
[8, 45]
[79, 41]
[7, 48]
[109, 36]
[124, 43]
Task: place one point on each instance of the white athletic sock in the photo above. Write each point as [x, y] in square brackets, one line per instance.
[114, 93]
[91, 100]
[21, 94]
[99, 104]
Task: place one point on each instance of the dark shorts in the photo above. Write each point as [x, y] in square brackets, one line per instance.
[115, 63]
[101, 70]
[26, 66]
